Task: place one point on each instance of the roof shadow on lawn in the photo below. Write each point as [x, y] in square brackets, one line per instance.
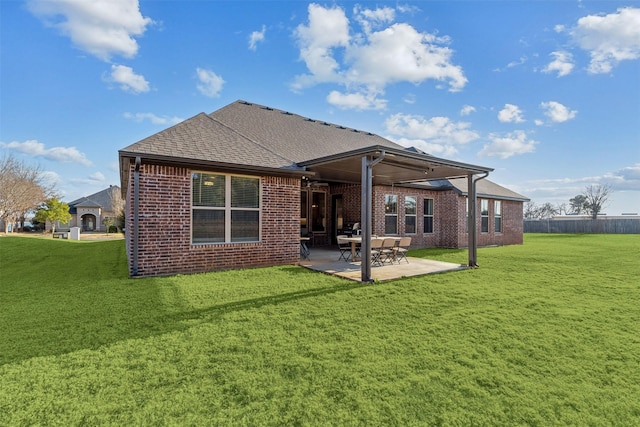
[98, 305]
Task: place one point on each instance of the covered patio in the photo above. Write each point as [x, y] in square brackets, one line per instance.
[325, 260]
[393, 167]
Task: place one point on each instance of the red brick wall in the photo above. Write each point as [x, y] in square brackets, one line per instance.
[449, 224]
[164, 242]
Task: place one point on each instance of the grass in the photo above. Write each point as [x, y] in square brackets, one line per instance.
[547, 333]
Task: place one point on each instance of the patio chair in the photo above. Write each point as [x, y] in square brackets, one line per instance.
[402, 249]
[388, 252]
[344, 247]
[376, 251]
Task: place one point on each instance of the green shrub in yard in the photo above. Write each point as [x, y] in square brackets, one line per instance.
[547, 333]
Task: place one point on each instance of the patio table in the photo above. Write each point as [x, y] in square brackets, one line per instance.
[354, 240]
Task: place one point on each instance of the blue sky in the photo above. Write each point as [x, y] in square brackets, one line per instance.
[545, 92]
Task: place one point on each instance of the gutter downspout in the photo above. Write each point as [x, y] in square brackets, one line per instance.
[136, 210]
[472, 233]
[366, 214]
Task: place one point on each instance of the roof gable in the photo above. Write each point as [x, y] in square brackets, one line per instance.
[101, 199]
[204, 138]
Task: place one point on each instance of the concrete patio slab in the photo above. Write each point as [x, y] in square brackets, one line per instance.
[326, 261]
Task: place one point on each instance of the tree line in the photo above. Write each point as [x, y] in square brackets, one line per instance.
[591, 202]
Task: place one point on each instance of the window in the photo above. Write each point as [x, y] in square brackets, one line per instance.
[390, 214]
[484, 213]
[224, 208]
[428, 216]
[410, 211]
[497, 214]
[466, 218]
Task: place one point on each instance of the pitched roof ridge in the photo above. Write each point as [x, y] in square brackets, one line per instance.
[308, 119]
[250, 139]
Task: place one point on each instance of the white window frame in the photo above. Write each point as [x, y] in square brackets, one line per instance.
[411, 215]
[425, 215]
[497, 216]
[484, 215]
[391, 214]
[228, 209]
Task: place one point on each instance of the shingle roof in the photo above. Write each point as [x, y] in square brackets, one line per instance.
[485, 187]
[293, 136]
[249, 134]
[204, 138]
[101, 199]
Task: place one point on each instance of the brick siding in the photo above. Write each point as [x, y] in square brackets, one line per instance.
[164, 243]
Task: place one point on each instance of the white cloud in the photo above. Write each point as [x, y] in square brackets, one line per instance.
[102, 28]
[505, 146]
[156, 120]
[367, 62]
[95, 178]
[438, 130]
[128, 80]
[210, 83]
[625, 179]
[433, 149]
[510, 114]
[256, 37]
[610, 38]
[562, 63]
[327, 29]
[557, 112]
[57, 154]
[376, 18]
[467, 109]
[356, 101]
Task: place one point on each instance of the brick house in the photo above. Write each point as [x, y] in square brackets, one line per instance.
[238, 187]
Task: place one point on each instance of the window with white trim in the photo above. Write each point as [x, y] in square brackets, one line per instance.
[497, 216]
[484, 216]
[390, 214]
[410, 214]
[428, 216]
[224, 208]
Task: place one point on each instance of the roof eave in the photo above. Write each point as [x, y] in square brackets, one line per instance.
[208, 165]
[377, 149]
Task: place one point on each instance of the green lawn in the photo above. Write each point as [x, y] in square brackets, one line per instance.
[547, 333]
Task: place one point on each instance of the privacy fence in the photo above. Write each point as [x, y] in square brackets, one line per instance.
[584, 225]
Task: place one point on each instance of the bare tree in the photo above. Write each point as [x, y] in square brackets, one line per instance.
[22, 189]
[596, 197]
[117, 206]
[545, 211]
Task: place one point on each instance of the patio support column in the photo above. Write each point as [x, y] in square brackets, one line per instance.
[473, 214]
[366, 215]
[471, 200]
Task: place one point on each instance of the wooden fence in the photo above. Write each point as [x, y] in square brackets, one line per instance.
[581, 225]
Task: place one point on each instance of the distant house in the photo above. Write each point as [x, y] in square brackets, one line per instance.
[89, 212]
[238, 187]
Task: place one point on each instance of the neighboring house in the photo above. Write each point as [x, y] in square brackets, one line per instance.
[238, 187]
[89, 212]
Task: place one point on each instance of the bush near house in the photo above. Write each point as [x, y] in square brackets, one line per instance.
[541, 334]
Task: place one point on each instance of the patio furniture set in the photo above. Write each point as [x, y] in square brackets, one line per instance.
[383, 249]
